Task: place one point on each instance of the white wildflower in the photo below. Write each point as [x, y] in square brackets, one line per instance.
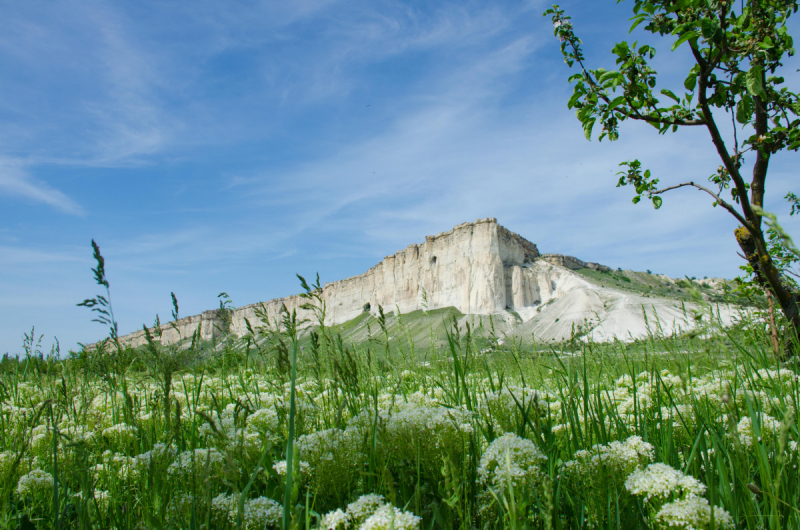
[41, 440]
[769, 426]
[334, 458]
[660, 481]
[225, 506]
[336, 520]
[692, 513]
[257, 513]
[262, 513]
[604, 468]
[7, 459]
[510, 460]
[121, 434]
[264, 421]
[621, 458]
[280, 468]
[159, 455]
[35, 483]
[388, 517]
[188, 462]
[365, 506]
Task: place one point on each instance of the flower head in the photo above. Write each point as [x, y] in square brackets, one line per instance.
[510, 460]
[388, 517]
[660, 481]
[692, 513]
[365, 506]
[35, 483]
[336, 520]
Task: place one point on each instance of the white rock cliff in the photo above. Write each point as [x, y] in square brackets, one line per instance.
[480, 268]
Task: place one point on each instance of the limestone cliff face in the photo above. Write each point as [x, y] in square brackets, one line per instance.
[463, 268]
[479, 268]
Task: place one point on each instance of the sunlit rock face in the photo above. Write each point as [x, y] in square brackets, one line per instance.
[479, 268]
[465, 268]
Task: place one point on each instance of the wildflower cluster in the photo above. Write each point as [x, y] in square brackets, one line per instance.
[37, 484]
[370, 512]
[511, 462]
[692, 512]
[674, 500]
[660, 482]
[257, 514]
[602, 470]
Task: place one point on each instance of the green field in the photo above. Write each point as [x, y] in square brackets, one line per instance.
[667, 432]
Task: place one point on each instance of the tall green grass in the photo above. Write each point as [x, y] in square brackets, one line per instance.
[715, 405]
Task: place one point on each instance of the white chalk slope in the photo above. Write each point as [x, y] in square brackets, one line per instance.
[576, 304]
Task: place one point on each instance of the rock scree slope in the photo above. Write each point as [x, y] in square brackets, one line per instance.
[479, 268]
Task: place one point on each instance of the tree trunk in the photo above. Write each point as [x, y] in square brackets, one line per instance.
[770, 279]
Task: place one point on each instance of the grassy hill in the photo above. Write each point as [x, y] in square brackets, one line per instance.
[658, 285]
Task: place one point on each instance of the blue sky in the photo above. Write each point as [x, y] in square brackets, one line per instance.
[225, 146]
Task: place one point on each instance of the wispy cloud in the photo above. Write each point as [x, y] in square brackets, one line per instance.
[132, 119]
[16, 181]
[103, 109]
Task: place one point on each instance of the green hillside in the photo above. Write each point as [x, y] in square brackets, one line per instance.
[657, 285]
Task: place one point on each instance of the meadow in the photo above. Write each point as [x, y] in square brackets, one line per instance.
[293, 427]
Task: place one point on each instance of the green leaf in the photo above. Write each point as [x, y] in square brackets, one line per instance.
[690, 82]
[616, 102]
[670, 94]
[606, 76]
[584, 113]
[620, 48]
[744, 110]
[638, 20]
[636, 199]
[656, 202]
[683, 38]
[573, 99]
[587, 128]
[754, 85]
[709, 27]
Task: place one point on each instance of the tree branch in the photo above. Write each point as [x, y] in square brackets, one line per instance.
[650, 119]
[717, 198]
[761, 127]
[636, 115]
[719, 143]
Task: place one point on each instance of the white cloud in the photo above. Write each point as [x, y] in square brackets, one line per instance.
[16, 181]
[85, 91]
